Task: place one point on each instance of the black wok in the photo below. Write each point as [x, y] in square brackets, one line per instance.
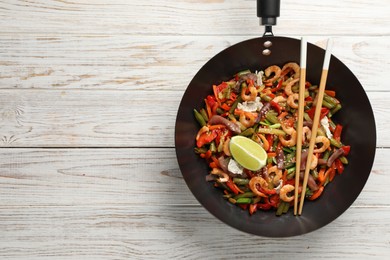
[356, 116]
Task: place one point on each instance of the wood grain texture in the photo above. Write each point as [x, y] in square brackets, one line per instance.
[151, 62]
[104, 232]
[192, 17]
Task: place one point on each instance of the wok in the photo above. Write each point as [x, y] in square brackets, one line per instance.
[356, 116]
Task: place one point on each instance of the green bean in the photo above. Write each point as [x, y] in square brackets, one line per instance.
[286, 207]
[204, 114]
[272, 118]
[335, 109]
[320, 132]
[235, 104]
[240, 181]
[291, 170]
[278, 125]
[331, 100]
[266, 98]
[199, 118]
[313, 87]
[243, 200]
[248, 194]
[200, 150]
[327, 104]
[326, 155]
[343, 159]
[332, 124]
[307, 117]
[314, 173]
[248, 132]
[335, 143]
[281, 208]
[220, 111]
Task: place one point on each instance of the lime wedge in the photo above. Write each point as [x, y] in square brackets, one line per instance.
[247, 153]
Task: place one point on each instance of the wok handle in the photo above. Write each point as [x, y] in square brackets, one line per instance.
[268, 11]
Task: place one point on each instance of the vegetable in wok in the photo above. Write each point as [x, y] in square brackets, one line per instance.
[262, 106]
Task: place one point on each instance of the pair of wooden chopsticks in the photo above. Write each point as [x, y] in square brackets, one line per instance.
[316, 120]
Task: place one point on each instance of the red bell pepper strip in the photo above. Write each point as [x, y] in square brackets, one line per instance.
[264, 206]
[317, 193]
[252, 208]
[267, 191]
[217, 90]
[206, 138]
[270, 140]
[274, 200]
[337, 132]
[276, 106]
[339, 166]
[311, 112]
[347, 149]
[233, 187]
[330, 93]
[278, 87]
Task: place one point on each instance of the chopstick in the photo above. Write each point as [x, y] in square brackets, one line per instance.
[316, 120]
[301, 100]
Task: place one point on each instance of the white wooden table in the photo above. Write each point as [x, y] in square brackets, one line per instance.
[89, 91]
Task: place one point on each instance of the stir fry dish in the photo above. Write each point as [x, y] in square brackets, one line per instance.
[248, 137]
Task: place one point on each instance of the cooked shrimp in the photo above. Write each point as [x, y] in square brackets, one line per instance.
[289, 141]
[291, 66]
[284, 191]
[325, 144]
[258, 181]
[252, 93]
[223, 176]
[275, 174]
[288, 87]
[288, 129]
[247, 119]
[291, 100]
[272, 69]
[306, 133]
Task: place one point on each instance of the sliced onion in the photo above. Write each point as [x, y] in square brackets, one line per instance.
[334, 156]
[216, 119]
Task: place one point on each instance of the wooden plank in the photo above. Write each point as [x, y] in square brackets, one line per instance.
[101, 232]
[82, 118]
[192, 17]
[150, 62]
[122, 177]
